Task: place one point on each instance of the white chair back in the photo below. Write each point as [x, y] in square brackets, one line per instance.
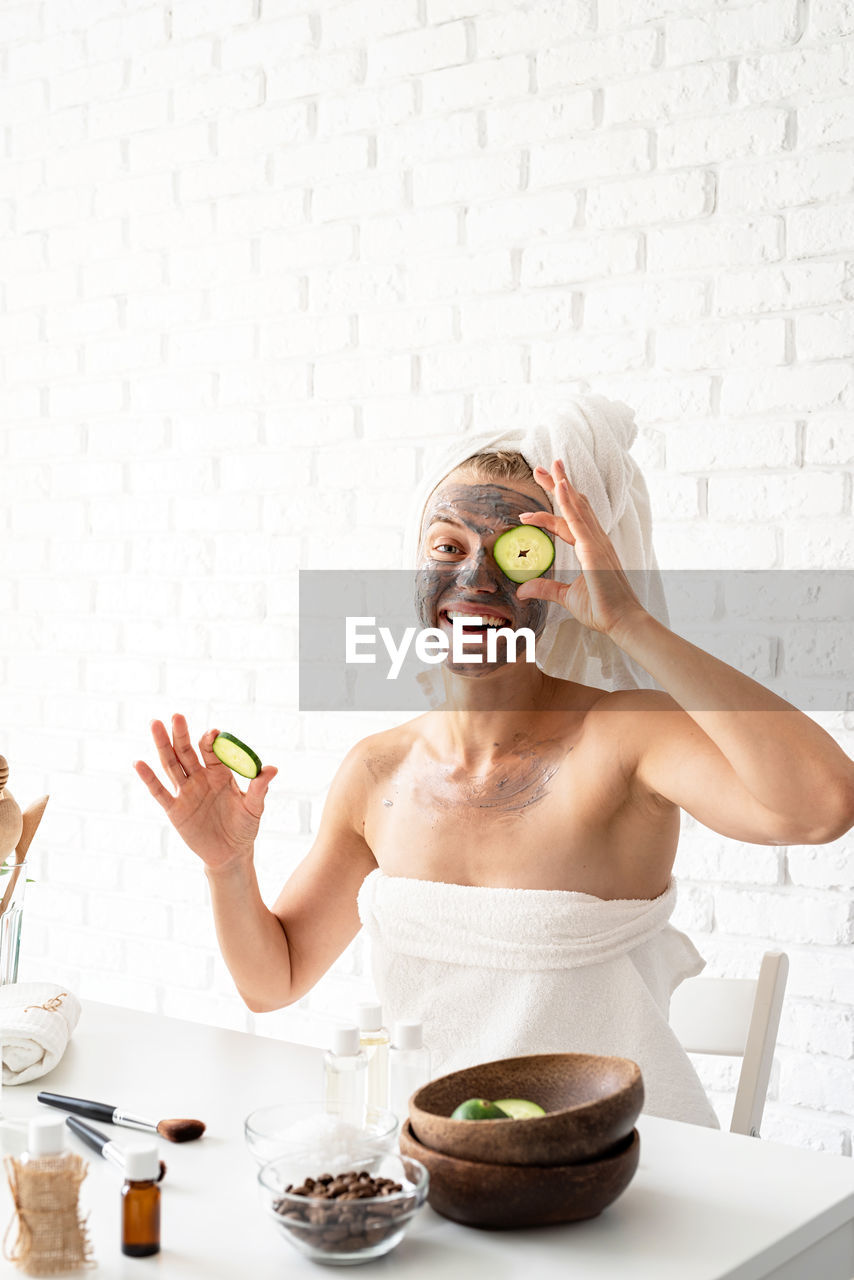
[738, 1017]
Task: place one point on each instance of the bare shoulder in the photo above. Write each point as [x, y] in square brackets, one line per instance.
[637, 703]
[375, 757]
[363, 767]
[629, 719]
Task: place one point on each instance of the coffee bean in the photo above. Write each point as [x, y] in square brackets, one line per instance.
[332, 1219]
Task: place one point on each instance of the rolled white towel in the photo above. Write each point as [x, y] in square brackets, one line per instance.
[36, 1022]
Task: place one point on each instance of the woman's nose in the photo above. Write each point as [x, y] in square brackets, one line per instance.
[479, 570]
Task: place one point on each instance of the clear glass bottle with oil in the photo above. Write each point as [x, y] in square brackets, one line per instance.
[374, 1039]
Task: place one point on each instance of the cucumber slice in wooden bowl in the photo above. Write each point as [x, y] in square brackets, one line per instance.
[520, 1108]
[234, 753]
[524, 552]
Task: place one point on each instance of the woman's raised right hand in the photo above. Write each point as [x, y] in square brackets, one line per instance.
[211, 814]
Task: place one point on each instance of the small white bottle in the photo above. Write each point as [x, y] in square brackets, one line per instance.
[409, 1066]
[46, 1144]
[345, 1072]
[47, 1181]
[373, 1038]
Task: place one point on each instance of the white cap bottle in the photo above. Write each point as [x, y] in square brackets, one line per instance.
[345, 1070]
[373, 1038]
[141, 1201]
[409, 1066]
[142, 1163]
[345, 1041]
[49, 1179]
[45, 1137]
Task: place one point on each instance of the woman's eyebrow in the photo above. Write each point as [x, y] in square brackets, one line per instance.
[508, 521]
[446, 520]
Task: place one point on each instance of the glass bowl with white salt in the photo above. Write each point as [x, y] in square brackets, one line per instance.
[291, 1127]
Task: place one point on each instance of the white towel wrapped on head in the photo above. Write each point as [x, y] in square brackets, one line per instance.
[36, 1022]
[592, 436]
[497, 973]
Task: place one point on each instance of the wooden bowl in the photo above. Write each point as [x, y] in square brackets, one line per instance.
[592, 1104]
[501, 1196]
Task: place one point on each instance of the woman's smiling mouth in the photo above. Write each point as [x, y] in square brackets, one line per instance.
[473, 619]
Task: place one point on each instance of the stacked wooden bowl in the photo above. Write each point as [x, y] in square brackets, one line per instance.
[567, 1165]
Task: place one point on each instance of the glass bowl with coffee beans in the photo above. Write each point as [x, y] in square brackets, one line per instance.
[357, 1207]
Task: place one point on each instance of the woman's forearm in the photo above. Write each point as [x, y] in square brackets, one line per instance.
[782, 756]
[251, 938]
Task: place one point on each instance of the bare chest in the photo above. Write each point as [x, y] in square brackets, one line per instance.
[557, 815]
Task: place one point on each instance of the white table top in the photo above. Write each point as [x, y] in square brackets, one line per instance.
[703, 1205]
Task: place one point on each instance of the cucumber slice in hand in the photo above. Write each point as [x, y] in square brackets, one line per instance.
[524, 552]
[234, 753]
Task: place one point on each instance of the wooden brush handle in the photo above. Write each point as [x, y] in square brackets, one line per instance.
[32, 817]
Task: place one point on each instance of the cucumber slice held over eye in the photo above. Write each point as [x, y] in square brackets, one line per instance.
[524, 552]
[234, 753]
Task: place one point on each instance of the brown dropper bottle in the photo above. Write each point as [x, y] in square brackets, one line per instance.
[141, 1201]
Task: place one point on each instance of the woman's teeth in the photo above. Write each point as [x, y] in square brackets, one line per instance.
[485, 618]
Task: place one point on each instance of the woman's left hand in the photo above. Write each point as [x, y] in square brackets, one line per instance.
[601, 597]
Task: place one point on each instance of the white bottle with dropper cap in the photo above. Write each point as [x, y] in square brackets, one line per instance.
[345, 1070]
[373, 1038]
[409, 1066]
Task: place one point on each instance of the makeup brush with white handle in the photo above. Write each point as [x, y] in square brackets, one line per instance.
[173, 1130]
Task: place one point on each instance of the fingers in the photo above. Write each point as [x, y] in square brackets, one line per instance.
[161, 795]
[206, 742]
[543, 589]
[553, 524]
[557, 483]
[183, 747]
[171, 764]
[575, 505]
[548, 480]
[544, 479]
[257, 790]
[541, 518]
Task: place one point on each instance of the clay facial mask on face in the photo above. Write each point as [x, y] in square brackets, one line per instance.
[456, 568]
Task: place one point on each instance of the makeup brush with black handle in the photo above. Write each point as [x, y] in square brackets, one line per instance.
[101, 1143]
[173, 1130]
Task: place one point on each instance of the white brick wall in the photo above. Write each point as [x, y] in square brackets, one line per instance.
[247, 247]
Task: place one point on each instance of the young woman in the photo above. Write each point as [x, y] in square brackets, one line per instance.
[510, 854]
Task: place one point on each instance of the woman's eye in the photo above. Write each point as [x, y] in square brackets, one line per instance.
[446, 546]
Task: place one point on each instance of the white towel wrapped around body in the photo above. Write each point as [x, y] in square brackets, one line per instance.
[36, 1022]
[496, 973]
[592, 436]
